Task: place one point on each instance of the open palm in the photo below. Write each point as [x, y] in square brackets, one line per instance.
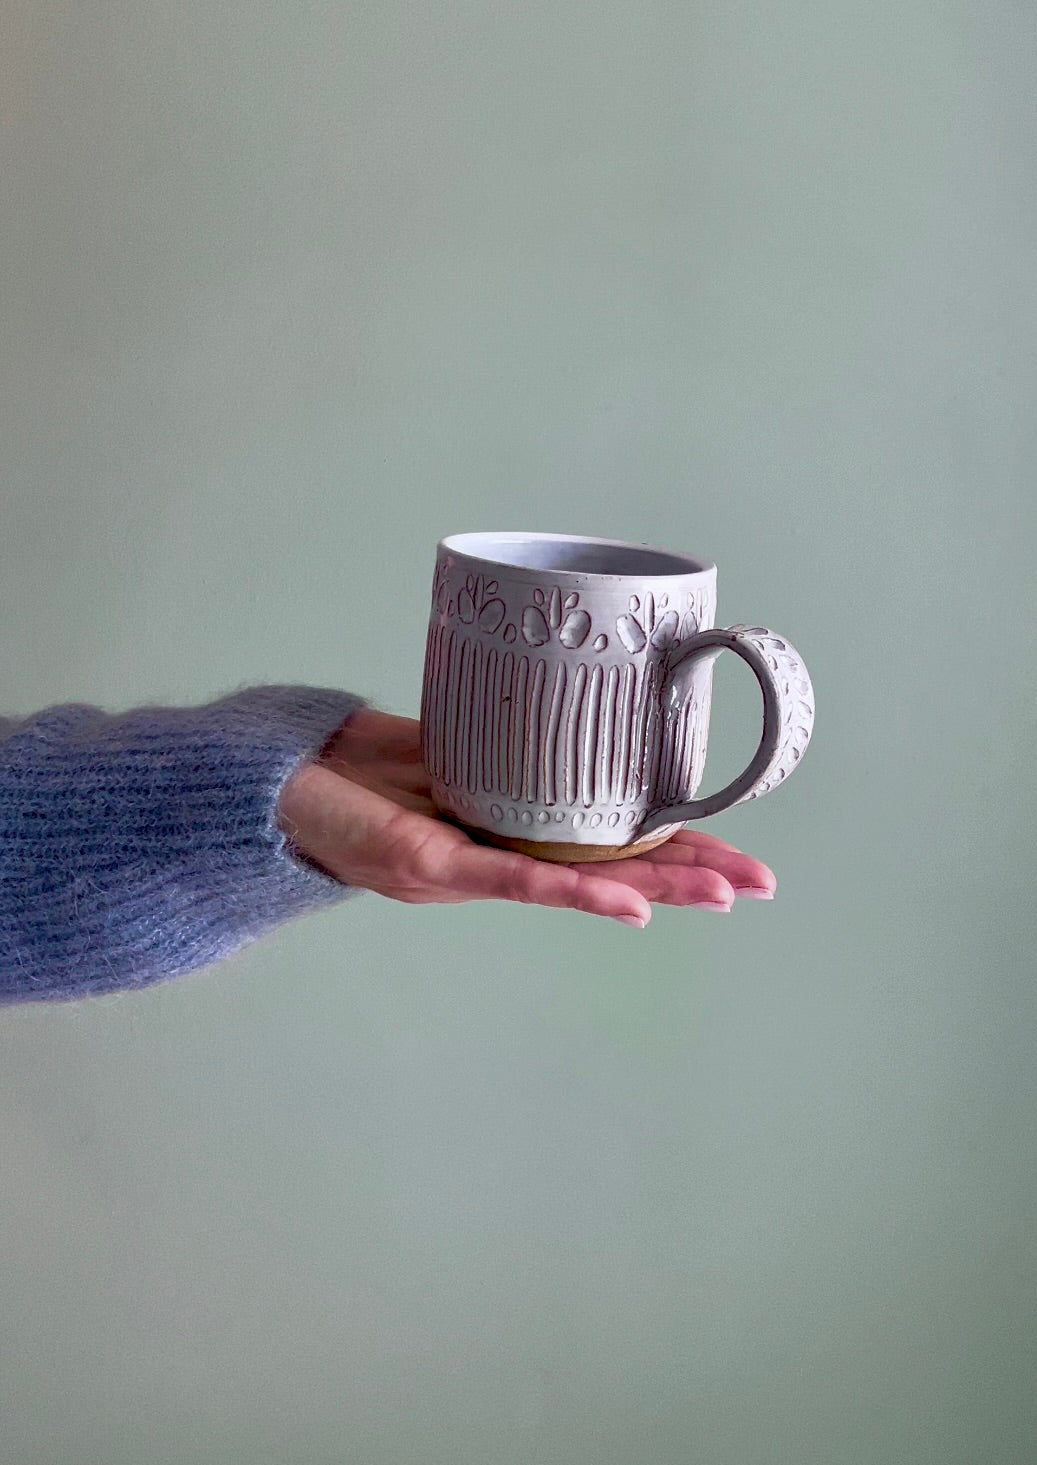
[364, 813]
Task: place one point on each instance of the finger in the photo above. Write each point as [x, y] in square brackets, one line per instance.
[369, 841]
[418, 803]
[407, 775]
[699, 837]
[378, 734]
[402, 743]
[374, 722]
[484, 873]
[387, 776]
[743, 871]
[671, 884]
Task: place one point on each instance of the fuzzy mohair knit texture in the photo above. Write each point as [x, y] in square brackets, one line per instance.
[137, 846]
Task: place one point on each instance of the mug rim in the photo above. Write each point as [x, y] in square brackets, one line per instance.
[465, 545]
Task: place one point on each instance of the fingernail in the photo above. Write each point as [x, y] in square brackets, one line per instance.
[631, 921]
[711, 905]
[754, 892]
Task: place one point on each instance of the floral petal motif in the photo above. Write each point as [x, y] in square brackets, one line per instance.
[600, 642]
[466, 606]
[575, 629]
[555, 611]
[631, 634]
[509, 633]
[491, 616]
[665, 631]
[534, 627]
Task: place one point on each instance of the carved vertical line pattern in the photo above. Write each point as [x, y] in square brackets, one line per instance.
[444, 689]
[650, 780]
[635, 704]
[495, 717]
[533, 729]
[687, 750]
[678, 781]
[444, 672]
[635, 782]
[539, 730]
[552, 750]
[702, 717]
[436, 676]
[427, 696]
[506, 714]
[666, 737]
[692, 784]
[426, 689]
[610, 740]
[626, 727]
[644, 779]
[459, 701]
[655, 741]
[591, 734]
[672, 750]
[464, 652]
[476, 702]
[449, 709]
[673, 781]
[644, 711]
[518, 727]
[489, 702]
[680, 739]
[571, 732]
[450, 642]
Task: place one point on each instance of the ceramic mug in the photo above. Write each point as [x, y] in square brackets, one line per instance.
[566, 695]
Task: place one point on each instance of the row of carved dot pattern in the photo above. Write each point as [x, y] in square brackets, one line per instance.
[797, 698]
[580, 819]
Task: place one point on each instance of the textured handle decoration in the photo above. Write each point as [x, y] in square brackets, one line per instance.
[788, 714]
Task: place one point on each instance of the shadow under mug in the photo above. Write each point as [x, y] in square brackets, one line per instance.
[566, 693]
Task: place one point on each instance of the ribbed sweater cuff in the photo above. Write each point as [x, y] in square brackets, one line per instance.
[141, 845]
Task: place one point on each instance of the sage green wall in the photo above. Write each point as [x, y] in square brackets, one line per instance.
[289, 291]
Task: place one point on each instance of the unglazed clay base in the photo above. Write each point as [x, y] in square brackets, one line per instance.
[561, 853]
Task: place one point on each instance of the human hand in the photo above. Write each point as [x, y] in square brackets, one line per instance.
[364, 813]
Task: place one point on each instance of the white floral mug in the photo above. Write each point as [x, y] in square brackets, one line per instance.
[566, 695]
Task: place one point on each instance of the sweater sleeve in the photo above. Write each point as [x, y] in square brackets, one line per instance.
[141, 845]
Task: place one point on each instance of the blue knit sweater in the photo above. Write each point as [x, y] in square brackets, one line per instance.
[141, 845]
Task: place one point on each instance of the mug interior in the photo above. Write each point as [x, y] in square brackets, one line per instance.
[574, 555]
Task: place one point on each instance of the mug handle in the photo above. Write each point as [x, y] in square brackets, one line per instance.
[788, 715]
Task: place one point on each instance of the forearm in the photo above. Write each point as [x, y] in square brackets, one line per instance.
[145, 844]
